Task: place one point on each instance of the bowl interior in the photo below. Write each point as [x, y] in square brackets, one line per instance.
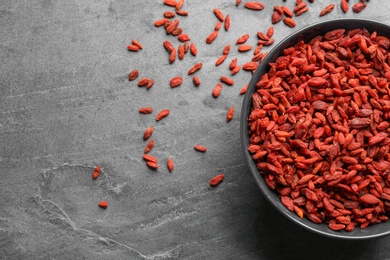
[306, 34]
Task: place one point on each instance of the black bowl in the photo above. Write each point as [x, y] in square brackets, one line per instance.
[307, 33]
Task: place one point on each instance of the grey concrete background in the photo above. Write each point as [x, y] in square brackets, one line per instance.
[66, 106]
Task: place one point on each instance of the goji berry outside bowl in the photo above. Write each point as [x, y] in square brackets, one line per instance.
[318, 143]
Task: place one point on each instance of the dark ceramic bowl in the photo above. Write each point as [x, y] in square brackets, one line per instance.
[306, 34]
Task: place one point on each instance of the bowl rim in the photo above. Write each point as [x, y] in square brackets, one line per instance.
[244, 136]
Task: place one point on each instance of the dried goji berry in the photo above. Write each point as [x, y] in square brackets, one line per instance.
[176, 81]
[170, 165]
[289, 22]
[161, 22]
[136, 43]
[230, 114]
[242, 39]
[217, 180]
[183, 37]
[146, 110]
[344, 6]
[103, 204]
[220, 60]
[172, 3]
[193, 49]
[149, 146]
[211, 37]
[244, 48]
[358, 7]
[196, 81]
[227, 22]
[169, 14]
[148, 132]
[96, 172]
[257, 6]
[217, 90]
[162, 114]
[219, 14]
[244, 89]
[150, 158]
[200, 148]
[226, 80]
[195, 68]
[133, 47]
[327, 9]
[133, 75]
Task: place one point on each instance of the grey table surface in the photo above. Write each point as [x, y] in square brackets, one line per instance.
[66, 106]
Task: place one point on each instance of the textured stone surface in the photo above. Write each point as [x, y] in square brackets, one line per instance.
[66, 106]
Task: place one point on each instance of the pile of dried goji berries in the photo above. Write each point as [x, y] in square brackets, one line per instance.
[171, 24]
[319, 129]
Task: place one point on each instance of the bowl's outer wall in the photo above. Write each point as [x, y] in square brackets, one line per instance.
[305, 34]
